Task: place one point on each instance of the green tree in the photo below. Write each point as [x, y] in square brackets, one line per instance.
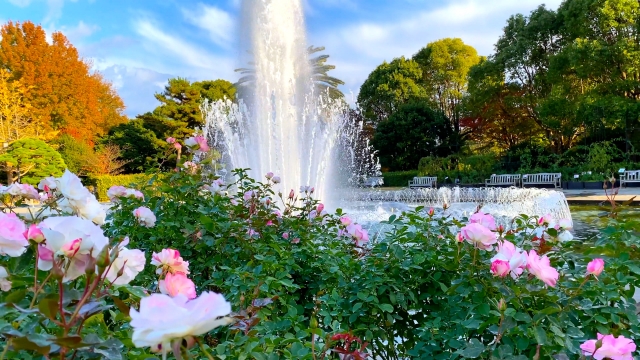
[412, 132]
[181, 99]
[390, 86]
[79, 157]
[29, 160]
[140, 148]
[445, 64]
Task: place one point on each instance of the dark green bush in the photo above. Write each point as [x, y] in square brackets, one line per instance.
[398, 178]
[469, 169]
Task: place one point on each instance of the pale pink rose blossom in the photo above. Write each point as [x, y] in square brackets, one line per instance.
[5, 284]
[248, 195]
[285, 236]
[295, 241]
[26, 191]
[177, 146]
[541, 268]
[169, 261]
[70, 186]
[269, 175]
[345, 220]
[614, 348]
[75, 239]
[545, 220]
[171, 140]
[198, 143]
[162, 318]
[269, 223]
[485, 220]
[47, 184]
[276, 179]
[13, 241]
[431, 212]
[500, 268]
[514, 256]
[319, 208]
[595, 267]
[459, 237]
[479, 236]
[116, 191]
[360, 235]
[130, 261]
[565, 224]
[178, 284]
[145, 216]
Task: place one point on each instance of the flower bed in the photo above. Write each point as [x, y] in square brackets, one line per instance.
[191, 267]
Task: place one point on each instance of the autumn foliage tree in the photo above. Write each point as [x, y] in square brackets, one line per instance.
[60, 87]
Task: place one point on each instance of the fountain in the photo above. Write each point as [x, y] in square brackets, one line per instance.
[282, 123]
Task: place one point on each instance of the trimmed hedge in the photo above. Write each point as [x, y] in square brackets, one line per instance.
[102, 183]
[398, 178]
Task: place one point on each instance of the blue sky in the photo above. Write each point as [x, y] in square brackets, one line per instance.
[139, 44]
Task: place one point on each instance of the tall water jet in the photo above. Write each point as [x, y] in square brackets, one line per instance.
[280, 123]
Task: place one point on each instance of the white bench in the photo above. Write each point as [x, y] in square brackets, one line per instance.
[554, 179]
[630, 176]
[373, 181]
[423, 181]
[505, 179]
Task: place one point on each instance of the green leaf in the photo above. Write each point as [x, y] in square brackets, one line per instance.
[33, 342]
[357, 307]
[540, 335]
[15, 296]
[386, 307]
[473, 350]
[49, 307]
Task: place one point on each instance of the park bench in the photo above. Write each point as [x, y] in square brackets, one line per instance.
[504, 179]
[629, 176]
[554, 179]
[423, 181]
[373, 181]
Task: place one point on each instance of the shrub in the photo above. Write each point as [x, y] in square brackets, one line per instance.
[30, 160]
[102, 183]
[398, 178]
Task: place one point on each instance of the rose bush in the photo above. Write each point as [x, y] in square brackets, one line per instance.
[299, 282]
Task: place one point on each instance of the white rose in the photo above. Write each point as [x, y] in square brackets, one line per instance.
[49, 182]
[89, 208]
[71, 187]
[132, 260]
[5, 284]
[565, 236]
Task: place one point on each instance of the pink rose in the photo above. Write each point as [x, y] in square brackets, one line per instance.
[285, 236]
[44, 254]
[459, 237]
[177, 146]
[13, 241]
[276, 179]
[545, 220]
[34, 233]
[485, 220]
[345, 220]
[500, 268]
[23, 190]
[269, 175]
[514, 256]
[595, 267]
[431, 212]
[319, 208]
[116, 191]
[291, 194]
[360, 235]
[619, 348]
[171, 140]
[248, 195]
[295, 240]
[162, 318]
[145, 216]
[5, 284]
[129, 261]
[479, 236]
[170, 261]
[178, 284]
[71, 248]
[541, 268]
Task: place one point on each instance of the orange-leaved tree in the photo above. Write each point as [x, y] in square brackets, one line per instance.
[63, 91]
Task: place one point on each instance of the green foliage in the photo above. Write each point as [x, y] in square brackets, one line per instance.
[79, 157]
[471, 169]
[445, 65]
[410, 133]
[181, 99]
[390, 86]
[398, 178]
[31, 160]
[102, 183]
[140, 146]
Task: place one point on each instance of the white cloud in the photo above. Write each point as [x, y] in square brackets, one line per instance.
[218, 23]
[80, 31]
[356, 49]
[177, 47]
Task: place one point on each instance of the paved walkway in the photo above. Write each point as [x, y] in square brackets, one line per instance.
[587, 196]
